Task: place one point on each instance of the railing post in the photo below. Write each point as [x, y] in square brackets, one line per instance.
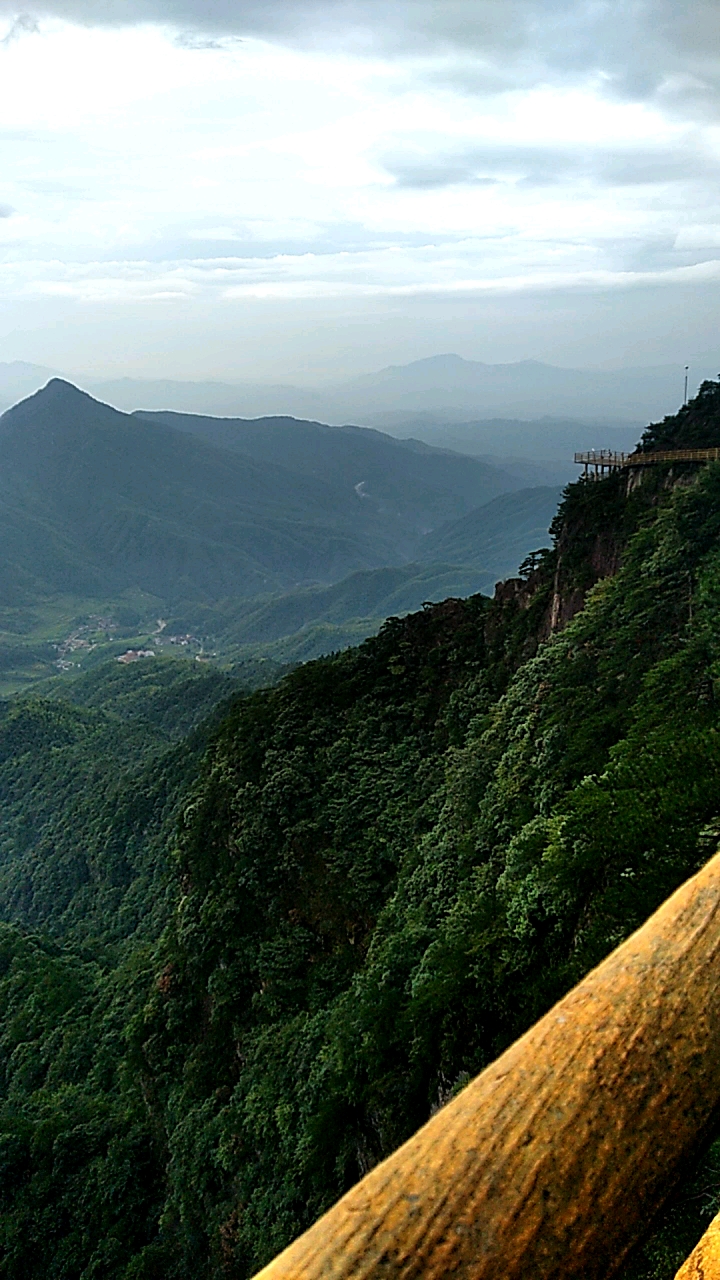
[551, 1164]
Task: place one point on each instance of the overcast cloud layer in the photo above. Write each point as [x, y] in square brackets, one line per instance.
[285, 190]
[641, 47]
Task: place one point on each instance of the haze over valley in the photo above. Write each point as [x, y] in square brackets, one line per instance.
[359, 726]
[538, 409]
[273, 538]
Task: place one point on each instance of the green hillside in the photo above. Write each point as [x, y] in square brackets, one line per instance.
[88, 785]
[121, 531]
[497, 535]
[105, 500]
[152, 509]
[238, 967]
[418, 485]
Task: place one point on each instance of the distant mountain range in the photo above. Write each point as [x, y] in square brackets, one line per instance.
[245, 532]
[446, 387]
[492, 537]
[105, 501]
[434, 394]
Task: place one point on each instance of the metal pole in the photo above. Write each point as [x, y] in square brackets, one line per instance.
[687, 366]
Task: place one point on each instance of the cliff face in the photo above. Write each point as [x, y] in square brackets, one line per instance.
[595, 521]
[589, 533]
[387, 867]
[572, 582]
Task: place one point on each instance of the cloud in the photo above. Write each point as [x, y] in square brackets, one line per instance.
[698, 236]
[367, 150]
[479, 165]
[22, 25]
[563, 33]
[6, 210]
[444, 164]
[444, 271]
[196, 40]
[641, 167]
[641, 49]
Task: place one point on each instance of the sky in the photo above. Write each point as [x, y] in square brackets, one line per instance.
[296, 191]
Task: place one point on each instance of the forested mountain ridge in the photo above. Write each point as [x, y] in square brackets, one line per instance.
[382, 870]
[397, 475]
[154, 509]
[153, 523]
[127, 502]
[89, 784]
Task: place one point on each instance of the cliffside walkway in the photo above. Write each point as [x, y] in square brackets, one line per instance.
[597, 461]
[552, 1163]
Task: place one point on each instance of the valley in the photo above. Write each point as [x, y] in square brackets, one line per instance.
[359, 640]
[255, 931]
[131, 518]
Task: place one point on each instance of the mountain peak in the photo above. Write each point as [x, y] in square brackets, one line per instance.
[60, 388]
[445, 360]
[56, 394]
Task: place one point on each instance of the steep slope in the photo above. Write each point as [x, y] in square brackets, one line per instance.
[419, 485]
[151, 507]
[498, 536]
[87, 787]
[393, 941]
[386, 867]
[96, 501]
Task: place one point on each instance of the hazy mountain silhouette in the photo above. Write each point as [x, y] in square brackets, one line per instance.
[405, 480]
[447, 387]
[548, 444]
[526, 388]
[220, 399]
[95, 501]
[497, 536]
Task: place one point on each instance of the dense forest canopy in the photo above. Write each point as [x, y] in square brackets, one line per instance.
[244, 956]
[695, 426]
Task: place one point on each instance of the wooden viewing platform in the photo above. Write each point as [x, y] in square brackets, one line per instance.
[598, 461]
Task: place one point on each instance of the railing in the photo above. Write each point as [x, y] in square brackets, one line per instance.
[553, 1162]
[704, 1261]
[602, 460]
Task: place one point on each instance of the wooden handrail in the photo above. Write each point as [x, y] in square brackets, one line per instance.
[553, 1161]
[704, 1261]
[612, 460]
